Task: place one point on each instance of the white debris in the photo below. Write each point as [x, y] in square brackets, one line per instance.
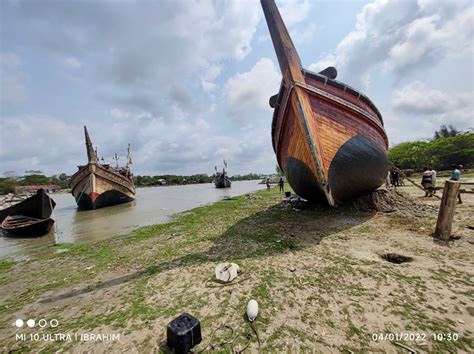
[227, 272]
[252, 310]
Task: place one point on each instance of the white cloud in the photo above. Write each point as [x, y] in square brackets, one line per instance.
[251, 90]
[40, 143]
[294, 11]
[72, 63]
[417, 98]
[403, 36]
[13, 89]
[209, 76]
[418, 110]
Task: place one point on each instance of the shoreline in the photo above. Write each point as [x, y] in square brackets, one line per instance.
[317, 275]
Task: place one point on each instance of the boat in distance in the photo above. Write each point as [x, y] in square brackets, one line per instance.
[98, 185]
[221, 180]
[329, 138]
[30, 217]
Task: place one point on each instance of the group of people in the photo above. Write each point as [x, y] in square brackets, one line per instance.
[281, 183]
[395, 178]
[428, 180]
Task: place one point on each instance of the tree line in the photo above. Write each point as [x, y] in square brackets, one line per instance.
[10, 181]
[448, 146]
[148, 181]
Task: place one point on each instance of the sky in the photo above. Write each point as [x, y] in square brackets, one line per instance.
[187, 82]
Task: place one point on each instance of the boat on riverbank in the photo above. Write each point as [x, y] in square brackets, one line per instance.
[30, 217]
[328, 137]
[221, 180]
[98, 185]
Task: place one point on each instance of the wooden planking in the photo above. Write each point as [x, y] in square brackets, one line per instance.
[341, 94]
[104, 181]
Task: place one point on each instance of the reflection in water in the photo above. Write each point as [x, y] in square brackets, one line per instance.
[153, 205]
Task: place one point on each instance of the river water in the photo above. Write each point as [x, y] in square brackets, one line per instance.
[153, 205]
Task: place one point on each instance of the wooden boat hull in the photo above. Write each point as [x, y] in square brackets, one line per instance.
[329, 138]
[39, 206]
[222, 183]
[339, 150]
[36, 228]
[95, 186]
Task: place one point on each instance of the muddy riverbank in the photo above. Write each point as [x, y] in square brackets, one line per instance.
[319, 276]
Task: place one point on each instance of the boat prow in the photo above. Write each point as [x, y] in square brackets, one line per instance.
[328, 137]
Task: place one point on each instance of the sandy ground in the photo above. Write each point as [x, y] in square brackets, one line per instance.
[318, 275]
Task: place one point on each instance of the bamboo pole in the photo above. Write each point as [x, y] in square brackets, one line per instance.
[446, 210]
[418, 186]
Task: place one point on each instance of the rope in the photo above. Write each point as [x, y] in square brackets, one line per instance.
[82, 192]
[222, 285]
[231, 339]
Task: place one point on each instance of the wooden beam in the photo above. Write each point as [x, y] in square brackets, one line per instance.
[418, 186]
[446, 210]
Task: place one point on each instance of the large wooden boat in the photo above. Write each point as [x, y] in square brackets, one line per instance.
[97, 185]
[30, 217]
[328, 137]
[221, 180]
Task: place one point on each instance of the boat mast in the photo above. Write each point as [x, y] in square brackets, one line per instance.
[291, 69]
[129, 157]
[91, 155]
[288, 58]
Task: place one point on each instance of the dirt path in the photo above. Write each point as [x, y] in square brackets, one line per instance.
[318, 275]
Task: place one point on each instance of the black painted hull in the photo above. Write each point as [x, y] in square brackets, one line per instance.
[222, 183]
[358, 167]
[106, 199]
[39, 206]
[40, 228]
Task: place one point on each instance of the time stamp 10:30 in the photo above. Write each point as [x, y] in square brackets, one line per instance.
[415, 337]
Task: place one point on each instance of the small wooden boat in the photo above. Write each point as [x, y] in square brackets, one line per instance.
[221, 180]
[328, 137]
[38, 206]
[30, 217]
[20, 225]
[97, 185]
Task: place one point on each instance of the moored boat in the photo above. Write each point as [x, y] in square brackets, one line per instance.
[30, 217]
[20, 225]
[97, 185]
[328, 137]
[221, 180]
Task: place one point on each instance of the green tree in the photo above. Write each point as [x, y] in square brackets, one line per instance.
[7, 185]
[438, 153]
[446, 132]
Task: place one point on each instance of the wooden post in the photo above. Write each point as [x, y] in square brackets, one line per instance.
[446, 210]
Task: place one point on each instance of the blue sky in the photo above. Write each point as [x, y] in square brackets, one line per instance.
[187, 82]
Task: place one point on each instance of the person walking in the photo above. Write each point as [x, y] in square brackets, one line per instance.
[456, 176]
[282, 184]
[426, 181]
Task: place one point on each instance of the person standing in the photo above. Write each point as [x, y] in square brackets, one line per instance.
[395, 176]
[426, 181]
[433, 180]
[456, 176]
[388, 180]
[267, 182]
[282, 184]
